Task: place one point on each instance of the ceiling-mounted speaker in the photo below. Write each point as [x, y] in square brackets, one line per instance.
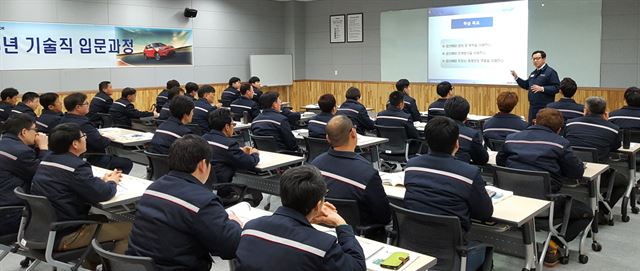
[190, 13]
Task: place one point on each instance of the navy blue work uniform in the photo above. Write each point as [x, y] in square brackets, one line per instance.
[161, 99]
[228, 157]
[272, 123]
[539, 148]
[256, 94]
[472, 149]
[48, 120]
[5, 111]
[122, 111]
[201, 113]
[170, 130]
[287, 241]
[411, 108]
[68, 183]
[358, 115]
[350, 176]
[18, 164]
[165, 112]
[99, 104]
[627, 117]
[594, 132]
[568, 107]
[318, 124]
[243, 104]
[23, 108]
[437, 108]
[545, 77]
[97, 143]
[395, 117]
[503, 124]
[229, 95]
[292, 117]
[178, 209]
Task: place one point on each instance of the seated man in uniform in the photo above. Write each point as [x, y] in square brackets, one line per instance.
[504, 123]
[472, 147]
[540, 148]
[174, 127]
[286, 240]
[396, 116]
[101, 102]
[179, 223]
[191, 89]
[349, 176]
[255, 83]
[628, 117]
[566, 105]
[245, 103]
[271, 123]
[203, 107]
[123, 110]
[51, 112]
[163, 96]
[165, 112]
[445, 91]
[9, 98]
[357, 112]
[231, 93]
[29, 103]
[439, 184]
[403, 85]
[318, 123]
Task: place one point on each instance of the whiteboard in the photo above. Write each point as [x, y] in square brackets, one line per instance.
[273, 70]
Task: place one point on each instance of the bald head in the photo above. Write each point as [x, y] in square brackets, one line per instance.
[339, 130]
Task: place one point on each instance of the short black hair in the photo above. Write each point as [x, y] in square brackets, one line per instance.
[172, 83]
[301, 188]
[457, 108]
[402, 84]
[219, 118]
[396, 98]
[254, 79]
[173, 92]
[353, 93]
[191, 87]
[244, 88]
[103, 85]
[181, 106]
[596, 105]
[441, 134]
[62, 136]
[327, 102]
[185, 153]
[8, 93]
[48, 99]
[632, 96]
[126, 92]
[542, 53]
[74, 99]
[16, 122]
[444, 88]
[204, 90]
[568, 87]
[233, 80]
[29, 96]
[267, 99]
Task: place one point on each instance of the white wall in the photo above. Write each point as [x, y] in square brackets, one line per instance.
[225, 33]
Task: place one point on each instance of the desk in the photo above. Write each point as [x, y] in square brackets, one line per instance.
[631, 153]
[420, 125]
[264, 181]
[126, 137]
[274, 160]
[241, 126]
[306, 116]
[130, 189]
[363, 142]
[371, 248]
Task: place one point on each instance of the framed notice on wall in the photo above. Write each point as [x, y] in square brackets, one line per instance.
[355, 28]
[337, 25]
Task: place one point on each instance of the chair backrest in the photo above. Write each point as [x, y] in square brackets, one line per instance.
[236, 116]
[265, 143]
[116, 262]
[397, 139]
[195, 129]
[586, 154]
[494, 144]
[107, 120]
[528, 183]
[348, 209]
[158, 163]
[40, 215]
[434, 235]
[315, 147]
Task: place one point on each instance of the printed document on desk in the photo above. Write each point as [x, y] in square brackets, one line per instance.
[497, 194]
[393, 178]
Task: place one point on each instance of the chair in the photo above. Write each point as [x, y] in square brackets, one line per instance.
[349, 210]
[399, 148]
[236, 116]
[265, 143]
[106, 120]
[587, 154]
[438, 236]
[8, 241]
[195, 129]
[315, 147]
[158, 164]
[115, 262]
[38, 234]
[494, 144]
[537, 184]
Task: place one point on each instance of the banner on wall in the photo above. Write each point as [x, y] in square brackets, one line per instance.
[74, 46]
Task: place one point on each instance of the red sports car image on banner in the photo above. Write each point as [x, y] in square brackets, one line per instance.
[157, 50]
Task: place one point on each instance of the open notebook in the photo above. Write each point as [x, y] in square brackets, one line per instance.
[393, 179]
[497, 194]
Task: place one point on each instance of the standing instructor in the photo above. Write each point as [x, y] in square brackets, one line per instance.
[543, 84]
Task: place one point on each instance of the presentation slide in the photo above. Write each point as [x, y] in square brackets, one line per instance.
[478, 43]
